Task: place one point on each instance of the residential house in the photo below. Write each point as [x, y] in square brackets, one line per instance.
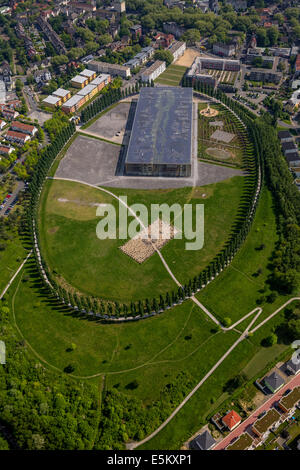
[293, 365]
[18, 137]
[243, 442]
[63, 94]
[285, 136]
[289, 402]
[136, 30]
[6, 149]
[231, 420]
[177, 49]
[152, 72]
[25, 128]
[111, 69]
[204, 441]
[263, 426]
[224, 50]
[274, 381]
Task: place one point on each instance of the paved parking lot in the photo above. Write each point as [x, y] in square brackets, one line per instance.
[112, 123]
[89, 160]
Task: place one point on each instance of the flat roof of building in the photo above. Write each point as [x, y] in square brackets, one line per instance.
[264, 423]
[290, 400]
[87, 73]
[153, 67]
[87, 90]
[79, 79]
[241, 443]
[51, 99]
[107, 65]
[175, 46]
[101, 78]
[73, 101]
[61, 92]
[162, 127]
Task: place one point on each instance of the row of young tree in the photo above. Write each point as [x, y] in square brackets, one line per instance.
[285, 261]
[146, 307]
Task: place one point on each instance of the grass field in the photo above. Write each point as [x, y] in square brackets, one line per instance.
[235, 291]
[70, 245]
[233, 151]
[172, 75]
[10, 259]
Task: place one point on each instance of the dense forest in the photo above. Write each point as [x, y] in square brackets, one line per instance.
[40, 409]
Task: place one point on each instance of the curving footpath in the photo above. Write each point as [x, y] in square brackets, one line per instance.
[244, 335]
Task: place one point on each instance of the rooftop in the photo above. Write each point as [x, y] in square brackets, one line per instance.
[290, 400]
[101, 78]
[51, 99]
[86, 90]
[275, 380]
[79, 79]
[242, 443]
[153, 67]
[73, 101]
[162, 127]
[87, 73]
[204, 441]
[61, 92]
[231, 419]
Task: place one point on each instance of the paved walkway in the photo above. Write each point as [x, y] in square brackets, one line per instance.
[252, 418]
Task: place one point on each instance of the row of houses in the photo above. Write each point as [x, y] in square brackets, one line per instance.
[89, 85]
[289, 149]
[86, 93]
[259, 431]
[20, 133]
[268, 421]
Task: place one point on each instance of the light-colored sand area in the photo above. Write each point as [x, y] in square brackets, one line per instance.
[143, 244]
[187, 58]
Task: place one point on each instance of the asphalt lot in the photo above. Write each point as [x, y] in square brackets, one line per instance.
[90, 160]
[112, 123]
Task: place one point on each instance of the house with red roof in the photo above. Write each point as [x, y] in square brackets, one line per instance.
[231, 420]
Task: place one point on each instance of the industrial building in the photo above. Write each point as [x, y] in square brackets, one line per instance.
[161, 137]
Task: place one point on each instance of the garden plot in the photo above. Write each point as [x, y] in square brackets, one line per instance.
[222, 138]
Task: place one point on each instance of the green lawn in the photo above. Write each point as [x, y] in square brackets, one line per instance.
[172, 75]
[81, 260]
[235, 291]
[10, 260]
